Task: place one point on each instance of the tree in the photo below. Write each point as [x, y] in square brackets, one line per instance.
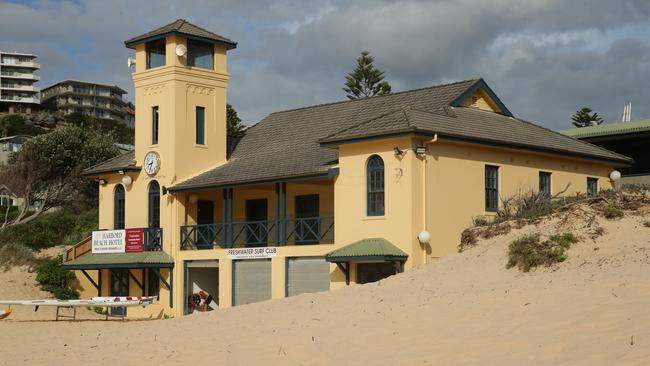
[46, 172]
[235, 128]
[15, 124]
[365, 80]
[584, 117]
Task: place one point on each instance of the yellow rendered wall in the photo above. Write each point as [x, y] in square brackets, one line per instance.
[455, 184]
[480, 100]
[403, 205]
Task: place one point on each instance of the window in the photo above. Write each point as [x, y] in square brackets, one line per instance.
[156, 53]
[200, 54]
[119, 207]
[154, 125]
[153, 283]
[200, 126]
[154, 204]
[592, 186]
[491, 188]
[375, 178]
[545, 183]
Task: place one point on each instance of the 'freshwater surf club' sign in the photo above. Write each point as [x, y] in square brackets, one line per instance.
[252, 253]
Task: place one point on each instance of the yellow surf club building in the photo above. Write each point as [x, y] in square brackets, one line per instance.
[308, 199]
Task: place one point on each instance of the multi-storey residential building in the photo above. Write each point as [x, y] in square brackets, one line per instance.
[92, 99]
[17, 91]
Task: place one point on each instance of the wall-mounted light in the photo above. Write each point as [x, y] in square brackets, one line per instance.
[421, 150]
[102, 182]
[615, 175]
[181, 50]
[398, 151]
[424, 237]
[127, 180]
[193, 198]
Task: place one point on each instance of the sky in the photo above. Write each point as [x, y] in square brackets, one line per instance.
[544, 58]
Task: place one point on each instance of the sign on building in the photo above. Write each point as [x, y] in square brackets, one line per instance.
[134, 241]
[252, 253]
[108, 241]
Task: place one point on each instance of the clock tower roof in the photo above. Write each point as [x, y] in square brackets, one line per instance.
[184, 28]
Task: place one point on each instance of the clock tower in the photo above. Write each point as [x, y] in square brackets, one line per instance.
[181, 81]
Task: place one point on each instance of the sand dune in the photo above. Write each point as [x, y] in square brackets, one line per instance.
[466, 309]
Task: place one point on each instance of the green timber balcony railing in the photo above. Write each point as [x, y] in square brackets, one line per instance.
[245, 234]
[153, 239]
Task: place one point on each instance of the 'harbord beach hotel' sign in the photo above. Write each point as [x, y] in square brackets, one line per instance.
[118, 241]
[252, 253]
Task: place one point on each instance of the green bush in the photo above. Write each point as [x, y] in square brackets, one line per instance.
[13, 254]
[612, 212]
[529, 251]
[53, 228]
[53, 278]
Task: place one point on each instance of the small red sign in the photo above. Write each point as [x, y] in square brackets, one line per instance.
[134, 241]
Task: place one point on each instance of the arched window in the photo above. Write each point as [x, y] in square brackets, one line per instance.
[154, 204]
[375, 179]
[119, 202]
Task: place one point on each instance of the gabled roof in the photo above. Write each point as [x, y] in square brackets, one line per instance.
[367, 249]
[285, 144]
[184, 28]
[473, 125]
[125, 162]
[609, 129]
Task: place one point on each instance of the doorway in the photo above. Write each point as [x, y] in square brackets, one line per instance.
[307, 219]
[373, 272]
[205, 219]
[256, 222]
[203, 276]
[119, 287]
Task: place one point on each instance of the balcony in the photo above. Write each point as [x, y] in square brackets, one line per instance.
[249, 234]
[19, 75]
[19, 87]
[19, 63]
[19, 99]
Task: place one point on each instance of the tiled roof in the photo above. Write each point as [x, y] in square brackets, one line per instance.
[124, 162]
[182, 27]
[372, 247]
[121, 260]
[608, 129]
[285, 144]
[474, 125]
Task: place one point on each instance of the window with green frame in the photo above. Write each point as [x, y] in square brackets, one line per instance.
[545, 183]
[491, 188]
[375, 181]
[592, 186]
[156, 53]
[200, 126]
[119, 207]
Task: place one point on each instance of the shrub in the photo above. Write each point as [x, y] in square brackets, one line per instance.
[467, 239]
[53, 278]
[529, 251]
[646, 224]
[480, 221]
[51, 229]
[13, 254]
[612, 212]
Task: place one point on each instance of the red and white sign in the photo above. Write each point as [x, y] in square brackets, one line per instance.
[134, 241]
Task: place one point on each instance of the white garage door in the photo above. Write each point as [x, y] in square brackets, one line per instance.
[307, 275]
[252, 281]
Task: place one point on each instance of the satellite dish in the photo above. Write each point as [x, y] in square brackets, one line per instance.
[181, 50]
[130, 61]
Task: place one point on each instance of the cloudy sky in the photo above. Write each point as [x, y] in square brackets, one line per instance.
[544, 58]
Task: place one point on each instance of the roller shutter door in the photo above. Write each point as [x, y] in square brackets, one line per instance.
[251, 281]
[307, 275]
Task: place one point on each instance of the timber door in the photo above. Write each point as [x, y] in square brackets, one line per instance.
[205, 219]
[307, 219]
[119, 287]
[256, 222]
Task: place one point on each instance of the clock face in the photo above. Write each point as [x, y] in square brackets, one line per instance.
[151, 163]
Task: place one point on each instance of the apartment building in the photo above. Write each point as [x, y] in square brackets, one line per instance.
[92, 99]
[17, 91]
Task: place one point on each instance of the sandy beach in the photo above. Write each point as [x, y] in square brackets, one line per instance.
[466, 309]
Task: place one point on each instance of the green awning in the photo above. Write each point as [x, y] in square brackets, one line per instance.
[608, 129]
[121, 260]
[367, 249]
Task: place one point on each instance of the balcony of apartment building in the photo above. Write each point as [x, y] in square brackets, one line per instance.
[18, 86]
[23, 75]
[19, 97]
[26, 62]
[280, 214]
